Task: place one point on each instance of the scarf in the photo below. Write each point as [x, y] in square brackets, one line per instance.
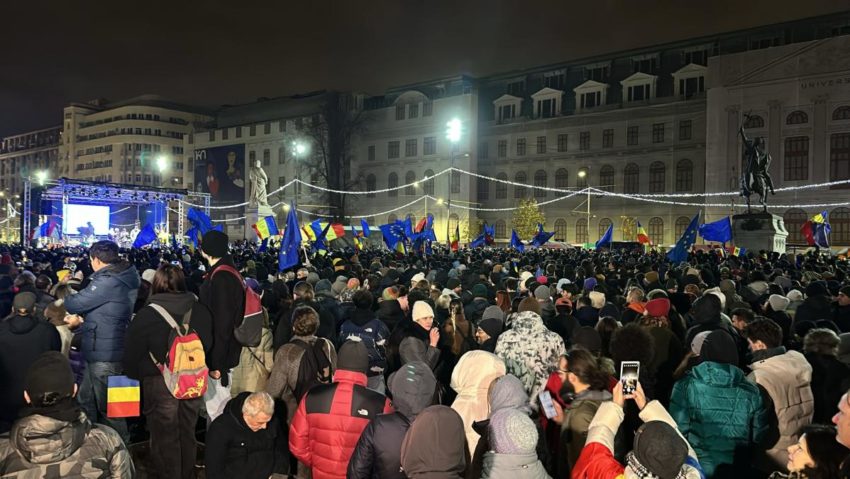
[763, 354]
[641, 471]
[65, 409]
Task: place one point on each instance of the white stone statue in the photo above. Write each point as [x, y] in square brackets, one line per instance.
[259, 180]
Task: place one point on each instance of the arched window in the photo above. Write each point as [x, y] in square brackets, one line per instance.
[519, 191]
[392, 218]
[453, 222]
[684, 175]
[841, 113]
[656, 230]
[629, 229]
[604, 224]
[606, 177]
[839, 220]
[839, 158]
[753, 121]
[561, 177]
[560, 229]
[682, 223]
[631, 178]
[796, 118]
[657, 171]
[428, 184]
[501, 229]
[581, 231]
[371, 185]
[409, 178]
[392, 182]
[501, 188]
[794, 219]
[540, 180]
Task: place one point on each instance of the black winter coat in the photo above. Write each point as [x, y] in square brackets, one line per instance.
[813, 309]
[474, 310]
[378, 453]
[390, 312]
[841, 317]
[224, 296]
[830, 379]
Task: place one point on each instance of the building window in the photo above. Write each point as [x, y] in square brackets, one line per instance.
[546, 108]
[597, 73]
[797, 118]
[632, 135]
[483, 150]
[685, 130]
[841, 113]
[238, 132]
[507, 112]
[606, 177]
[839, 220]
[657, 172]
[483, 189]
[684, 175]
[604, 224]
[393, 149]
[281, 126]
[519, 191]
[267, 129]
[656, 230]
[689, 87]
[839, 158]
[428, 185]
[631, 178]
[645, 65]
[516, 88]
[267, 157]
[639, 92]
[409, 178]
[794, 220]
[540, 179]
[224, 133]
[281, 180]
[584, 140]
[427, 108]
[252, 130]
[503, 148]
[561, 178]
[410, 147]
[581, 231]
[399, 112]
[554, 80]
[455, 182]
[413, 111]
[658, 132]
[252, 156]
[520, 147]
[371, 153]
[392, 182]
[796, 158]
[212, 135]
[591, 99]
[430, 145]
[371, 185]
[682, 223]
[562, 142]
[500, 229]
[607, 138]
[560, 229]
[541, 145]
[753, 121]
[501, 188]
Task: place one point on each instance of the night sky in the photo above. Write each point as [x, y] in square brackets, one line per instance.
[225, 52]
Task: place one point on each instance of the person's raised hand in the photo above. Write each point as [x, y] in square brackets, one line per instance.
[619, 399]
[559, 413]
[639, 396]
[435, 337]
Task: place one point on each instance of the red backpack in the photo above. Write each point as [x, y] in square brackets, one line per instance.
[249, 332]
[185, 372]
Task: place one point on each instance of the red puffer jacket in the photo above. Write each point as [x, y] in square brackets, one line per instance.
[329, 421]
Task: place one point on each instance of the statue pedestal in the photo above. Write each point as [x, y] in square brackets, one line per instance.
[252, 215]
[759, 231]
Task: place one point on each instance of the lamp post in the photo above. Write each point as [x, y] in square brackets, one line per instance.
[299, 150]
[583, 174]
[453, 134]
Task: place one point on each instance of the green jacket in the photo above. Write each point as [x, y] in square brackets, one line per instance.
[719, 410]
[577, 419]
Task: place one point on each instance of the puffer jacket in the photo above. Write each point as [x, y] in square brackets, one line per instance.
[577, 419]
[363, 326]
[530, 352]
[106, 305]
[284, 377]
[720, 413]
[512, 466]
[471, 380]
[330, 420]
[787, 380]
[43, 447]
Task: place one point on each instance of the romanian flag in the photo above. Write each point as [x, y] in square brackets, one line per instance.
[266, 227]
[358, 244]
[816, 230]
[642, 237]
[455, 239]
[335, 231]
[739, 251]
[310, 233]
[123, 398]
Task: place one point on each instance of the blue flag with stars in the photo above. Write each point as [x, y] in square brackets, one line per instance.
[291, 242]
[516, 243]
[679, 252]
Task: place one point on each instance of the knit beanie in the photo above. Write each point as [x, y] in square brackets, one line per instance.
[589, 284]
[493, 312]
[492, 326]
[421, 309]
[353, 356]
[512, 432]
[214, 243]
[479, 291]
[697, 342]
[49, 373]
[597, 299]
[542, 292]
[323, 285]
[660, 449]
[794, 295]
[719, 347]
[657, 308]
[778, 303]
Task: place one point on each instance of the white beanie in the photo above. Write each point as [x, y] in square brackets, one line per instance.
[716, 291]
[597, 299]
[778, 303]
[421, 309]
[148, 275]
[795, 295]
[417, 278]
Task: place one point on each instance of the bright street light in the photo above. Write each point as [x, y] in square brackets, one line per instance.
[41, 176]
[286, 208]
[453, 130]
[299, 148]
[161, 163]
[582, 174]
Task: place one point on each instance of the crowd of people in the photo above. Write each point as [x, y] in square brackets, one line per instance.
[482, 363]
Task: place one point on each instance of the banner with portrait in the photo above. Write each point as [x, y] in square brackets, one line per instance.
[220, 171]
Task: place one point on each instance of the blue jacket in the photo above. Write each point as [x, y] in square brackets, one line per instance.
[106, 305]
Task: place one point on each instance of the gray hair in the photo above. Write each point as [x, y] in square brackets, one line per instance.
[444, 301]
[256, 403]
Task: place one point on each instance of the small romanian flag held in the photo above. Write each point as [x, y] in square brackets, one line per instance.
[266, 227]
[123, 397]
[642, 237]
[739, 251]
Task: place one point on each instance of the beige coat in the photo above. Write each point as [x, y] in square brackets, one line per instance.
[471, 380]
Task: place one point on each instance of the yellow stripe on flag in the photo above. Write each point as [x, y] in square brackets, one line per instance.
[129, 394]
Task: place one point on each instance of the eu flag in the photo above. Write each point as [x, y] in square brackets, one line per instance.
[393, 234]
[679, 253]
[516, 243]
[365, 226]
[201, 221]
[288, 256]
[542, 237]
[605, 240]
[720, 231]
[145, 237]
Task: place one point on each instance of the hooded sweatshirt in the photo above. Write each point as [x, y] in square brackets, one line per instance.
[434, 447]
[471, 380]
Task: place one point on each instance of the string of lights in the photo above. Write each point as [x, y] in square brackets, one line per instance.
[717, 205]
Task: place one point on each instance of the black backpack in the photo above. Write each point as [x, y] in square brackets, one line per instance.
[315, 367]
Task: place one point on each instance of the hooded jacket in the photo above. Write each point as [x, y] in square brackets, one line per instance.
[530, 352]
[22, 340]
[365, 327]
[224, 295]
[329, 421]
[577, 419]
[434, 446]
[813, 309]
[830, 380]
[234, 450]
[378, 452]
[512, 466]
[41, 446]
[390, 312]
[149, 332]
[471, 380]
[107, 305]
